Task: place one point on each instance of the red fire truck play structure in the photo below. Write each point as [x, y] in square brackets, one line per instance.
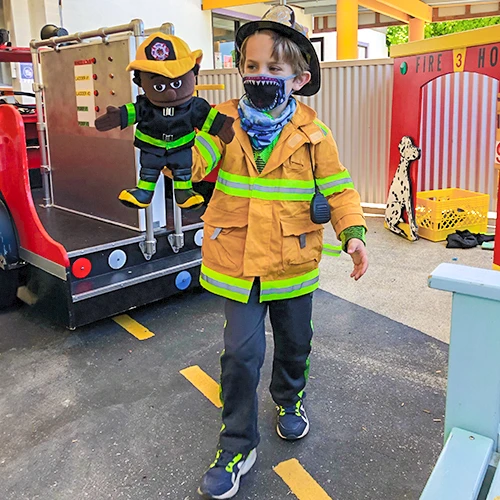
[70, 248]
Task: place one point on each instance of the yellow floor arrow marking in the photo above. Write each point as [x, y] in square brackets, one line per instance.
[303, 486]
[204, 383]
[132, 326]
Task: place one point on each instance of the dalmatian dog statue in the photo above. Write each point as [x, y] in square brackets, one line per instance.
[400, 194]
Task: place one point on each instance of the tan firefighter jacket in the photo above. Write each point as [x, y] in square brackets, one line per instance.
[259, 225]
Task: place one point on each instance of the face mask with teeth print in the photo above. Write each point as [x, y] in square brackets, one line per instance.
[266, 92]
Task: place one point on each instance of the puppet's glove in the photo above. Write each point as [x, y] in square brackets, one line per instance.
[226, 133]
[110, 120]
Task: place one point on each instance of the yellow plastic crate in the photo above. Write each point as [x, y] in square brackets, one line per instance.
[442, 211]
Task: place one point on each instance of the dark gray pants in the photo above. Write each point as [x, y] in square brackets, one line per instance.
[243, 357]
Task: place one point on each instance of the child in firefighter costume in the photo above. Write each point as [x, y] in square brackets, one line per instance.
[262, 244]
[166, 116]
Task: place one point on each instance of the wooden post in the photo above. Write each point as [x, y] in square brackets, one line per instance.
[417, 29]
[347, 29]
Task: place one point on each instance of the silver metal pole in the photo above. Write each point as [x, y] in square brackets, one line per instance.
[176, 240]
[41, 128]
[61, 14]
[136, 27]
[167, 28]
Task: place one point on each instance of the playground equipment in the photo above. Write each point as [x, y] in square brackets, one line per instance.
[472, 423]
[70, 249]
[418, 63]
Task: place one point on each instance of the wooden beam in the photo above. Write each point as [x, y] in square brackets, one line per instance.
[347, 29]
[381, 8]
[467, 14]
[472, 38]
[414, 8]
[417, 30]
[222, 4]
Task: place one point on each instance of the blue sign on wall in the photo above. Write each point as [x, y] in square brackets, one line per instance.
[26, 71]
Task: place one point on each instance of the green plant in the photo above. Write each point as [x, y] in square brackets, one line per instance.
[399, 34]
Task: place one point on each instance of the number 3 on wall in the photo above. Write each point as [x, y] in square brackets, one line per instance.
[459, 59]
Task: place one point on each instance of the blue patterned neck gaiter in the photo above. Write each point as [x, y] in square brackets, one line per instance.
[261, 127]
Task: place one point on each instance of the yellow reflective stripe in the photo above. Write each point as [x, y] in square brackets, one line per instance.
[131, 114]
[322, 126]
[182, 141]
[208, 150]
[335, 183]
[265, 189]
[289, 288]
[289, 183]
[331, 250]
[232, 288]
[210, 120]
[148, 186]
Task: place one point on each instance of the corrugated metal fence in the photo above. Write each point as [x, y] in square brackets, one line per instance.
[355, 101]
[458, 134]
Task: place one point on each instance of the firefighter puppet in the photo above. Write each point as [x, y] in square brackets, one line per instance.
[166, 116]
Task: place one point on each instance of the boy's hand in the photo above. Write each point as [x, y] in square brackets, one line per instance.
[108, 121]
[357, 250]
[226, 133]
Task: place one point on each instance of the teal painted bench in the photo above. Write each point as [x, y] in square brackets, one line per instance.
[472, 422]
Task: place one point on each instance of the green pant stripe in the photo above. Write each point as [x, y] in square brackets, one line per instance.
[131, 114]
[183, 184]
[210, 120]
[148, 186]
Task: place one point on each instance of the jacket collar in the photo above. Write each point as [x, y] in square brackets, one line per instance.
[291, 138]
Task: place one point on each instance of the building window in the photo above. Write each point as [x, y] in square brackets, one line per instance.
[363, 50]
[224, 35]
[319, 47]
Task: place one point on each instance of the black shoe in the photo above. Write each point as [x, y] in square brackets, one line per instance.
[293, 423]
[136, 197]
[188, 198]
[222, 479]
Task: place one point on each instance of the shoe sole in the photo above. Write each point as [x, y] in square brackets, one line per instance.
[249, 462]
[292, 437]
[129, 201]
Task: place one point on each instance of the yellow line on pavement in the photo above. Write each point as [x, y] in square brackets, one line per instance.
[303, 486]
[132, 326]
[204, 383]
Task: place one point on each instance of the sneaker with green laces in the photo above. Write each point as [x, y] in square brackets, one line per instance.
[292, 423]
[222, 479]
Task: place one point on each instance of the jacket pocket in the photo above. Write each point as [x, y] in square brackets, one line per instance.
[224, 237]
[302, 241]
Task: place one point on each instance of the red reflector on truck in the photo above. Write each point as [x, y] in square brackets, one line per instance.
[81, 268]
